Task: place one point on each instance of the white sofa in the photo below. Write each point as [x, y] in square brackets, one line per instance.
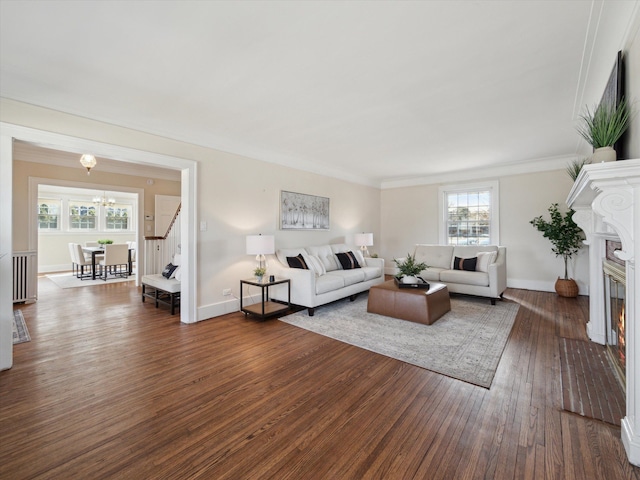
[488, 279]
[325, 280]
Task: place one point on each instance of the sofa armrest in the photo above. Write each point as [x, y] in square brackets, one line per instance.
[375, 262]
[303, 284]
[498, 273]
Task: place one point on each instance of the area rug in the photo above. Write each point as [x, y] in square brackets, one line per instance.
[466, 343]
[20, 332]
[69, 280]
[589, 385]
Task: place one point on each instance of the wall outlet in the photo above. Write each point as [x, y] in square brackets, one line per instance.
[226, 292]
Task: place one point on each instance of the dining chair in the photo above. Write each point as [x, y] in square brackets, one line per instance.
[72, 254]
[82, 263]
[99, 256]
[116, 261]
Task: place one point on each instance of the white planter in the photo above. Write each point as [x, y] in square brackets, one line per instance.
[407, 279]
[603, 154]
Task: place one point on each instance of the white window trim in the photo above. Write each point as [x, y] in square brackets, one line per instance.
[64, 223]
[494, 188]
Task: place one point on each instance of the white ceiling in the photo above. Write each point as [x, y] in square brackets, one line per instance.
[377, 92]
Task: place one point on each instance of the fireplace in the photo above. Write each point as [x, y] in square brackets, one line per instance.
[614, 292]
[606, 199]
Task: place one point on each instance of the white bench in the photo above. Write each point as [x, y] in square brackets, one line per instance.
[162, 290]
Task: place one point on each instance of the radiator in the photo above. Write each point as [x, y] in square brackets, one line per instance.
[25, 268]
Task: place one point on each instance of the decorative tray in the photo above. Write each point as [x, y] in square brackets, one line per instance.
[421, 285]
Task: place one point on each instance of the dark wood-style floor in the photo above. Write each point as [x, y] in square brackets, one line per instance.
[110, 387]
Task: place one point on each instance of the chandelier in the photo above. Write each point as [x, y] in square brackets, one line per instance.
[104, 201]
[88, 162]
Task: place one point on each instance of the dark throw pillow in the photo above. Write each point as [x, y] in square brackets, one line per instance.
[168, 270]
[468, 264]
[297, 262]
[348, 260]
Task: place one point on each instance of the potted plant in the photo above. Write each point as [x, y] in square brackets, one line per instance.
[105, 242]
[566, 238]
[575, 167]
[259, 273]
[603, 127]
[408, 269]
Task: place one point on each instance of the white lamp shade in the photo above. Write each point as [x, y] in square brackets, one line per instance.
[363, 239]
[260, 244]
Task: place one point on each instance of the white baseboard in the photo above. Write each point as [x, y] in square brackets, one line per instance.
[65, 267]
[541, 286]
[227, 306]
[206, 312]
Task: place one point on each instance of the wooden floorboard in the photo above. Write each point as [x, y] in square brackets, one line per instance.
[110, 387]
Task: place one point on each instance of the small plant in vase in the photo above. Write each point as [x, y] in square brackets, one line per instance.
[575, 167]
[566, 237]
[409, 269]
[259, 272]
[105, 242]
[603, 127]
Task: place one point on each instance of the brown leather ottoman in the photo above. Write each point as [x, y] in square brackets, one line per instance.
[410, 304]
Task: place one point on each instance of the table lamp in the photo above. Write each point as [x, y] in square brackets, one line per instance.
[260, 245]
[363, 240]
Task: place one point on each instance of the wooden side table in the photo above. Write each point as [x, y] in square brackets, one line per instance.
[265, 308]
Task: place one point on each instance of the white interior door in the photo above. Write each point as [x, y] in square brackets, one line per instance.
[166, 206]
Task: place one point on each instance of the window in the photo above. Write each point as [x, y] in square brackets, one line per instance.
[48, 214]
[469, 214]
[118, 217]
[82, 216]
[62, 210]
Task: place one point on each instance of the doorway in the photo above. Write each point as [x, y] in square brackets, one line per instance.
[188, 169]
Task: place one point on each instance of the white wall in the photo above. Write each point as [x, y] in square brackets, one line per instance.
[410, 215]
[236, 196]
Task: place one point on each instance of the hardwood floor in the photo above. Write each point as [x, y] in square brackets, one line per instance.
[110, 387]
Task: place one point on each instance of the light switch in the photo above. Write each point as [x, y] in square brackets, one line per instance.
[203, 226]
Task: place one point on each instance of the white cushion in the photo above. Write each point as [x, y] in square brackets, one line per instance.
[432, 274]
[177, 274]
[438, 256]
[484, 260]
[326, 256]
[314, 263]
[463, 276]
[158, 281]
[350, 277]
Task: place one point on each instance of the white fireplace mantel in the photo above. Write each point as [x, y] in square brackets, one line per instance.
[606, 198]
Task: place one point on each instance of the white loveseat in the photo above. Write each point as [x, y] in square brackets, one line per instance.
[487, 279]
[325, 280]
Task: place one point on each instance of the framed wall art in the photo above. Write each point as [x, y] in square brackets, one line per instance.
[299, 211]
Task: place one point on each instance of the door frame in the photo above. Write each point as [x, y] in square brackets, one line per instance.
[188, 232]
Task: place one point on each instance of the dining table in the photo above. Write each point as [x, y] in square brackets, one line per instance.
[100, 251]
